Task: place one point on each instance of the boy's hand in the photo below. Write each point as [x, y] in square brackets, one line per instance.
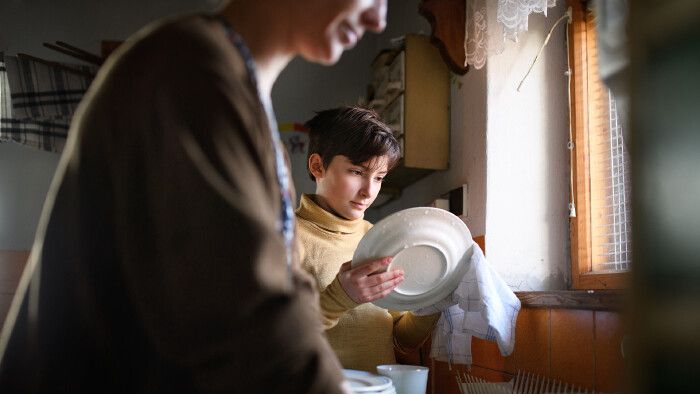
[365, 284]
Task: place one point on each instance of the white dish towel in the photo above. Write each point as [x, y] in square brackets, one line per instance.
[482, 306]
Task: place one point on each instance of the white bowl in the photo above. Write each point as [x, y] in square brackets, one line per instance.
[408, 379]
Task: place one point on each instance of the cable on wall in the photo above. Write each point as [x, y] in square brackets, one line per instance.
[568, 16]
[570, 144]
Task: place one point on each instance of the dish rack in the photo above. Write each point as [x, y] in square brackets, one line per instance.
[524, 383]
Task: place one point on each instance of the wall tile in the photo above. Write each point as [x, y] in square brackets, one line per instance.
[610, 366]
[532, 341]
[496, 376]
[572, 347]
[481, 241]
[445, 378]
[487, 354]
[11, 267]
[493, 381]
[578, 347]
[5, 302]
[477, 372]
[526, 381]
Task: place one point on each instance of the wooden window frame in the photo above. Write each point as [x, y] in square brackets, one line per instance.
[582, 276]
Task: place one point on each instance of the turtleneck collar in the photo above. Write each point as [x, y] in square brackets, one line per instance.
[310, 211]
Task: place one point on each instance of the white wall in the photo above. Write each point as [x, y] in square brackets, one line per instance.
[25, 173]
[510, 148]
[527, 231]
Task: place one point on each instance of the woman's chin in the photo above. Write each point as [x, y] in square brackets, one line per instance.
[328, 57]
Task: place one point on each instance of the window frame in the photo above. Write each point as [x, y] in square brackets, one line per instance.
[582, 275]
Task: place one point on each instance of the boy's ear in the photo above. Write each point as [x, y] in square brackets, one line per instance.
[316, 165]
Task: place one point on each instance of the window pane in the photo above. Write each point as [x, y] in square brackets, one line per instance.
[609, 172]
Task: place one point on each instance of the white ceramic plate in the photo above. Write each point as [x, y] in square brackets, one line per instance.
[365, 382]
[431, 245]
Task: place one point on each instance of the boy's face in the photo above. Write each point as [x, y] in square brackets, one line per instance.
[327, 27]
[347, 190]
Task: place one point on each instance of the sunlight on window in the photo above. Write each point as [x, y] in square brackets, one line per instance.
[609, 175]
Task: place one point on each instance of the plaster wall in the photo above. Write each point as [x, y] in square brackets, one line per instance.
[527, 178]
[26, 173]
[25, 176]
[509, 147]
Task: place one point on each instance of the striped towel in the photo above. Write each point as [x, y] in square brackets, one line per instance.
[37, 102]
[482, 306]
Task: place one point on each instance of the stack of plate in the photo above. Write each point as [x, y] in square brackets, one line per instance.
[368, 383]
[432, 246]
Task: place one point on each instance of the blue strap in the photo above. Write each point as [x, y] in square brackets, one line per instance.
[285, 224]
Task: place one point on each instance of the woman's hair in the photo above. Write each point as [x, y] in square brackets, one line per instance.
[356, 133]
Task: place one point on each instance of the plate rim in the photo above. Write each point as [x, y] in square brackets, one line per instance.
[387, 382]
[414, 302]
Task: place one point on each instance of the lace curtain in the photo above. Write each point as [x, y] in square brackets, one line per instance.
[486, 30]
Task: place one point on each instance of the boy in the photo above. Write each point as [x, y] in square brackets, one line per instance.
[350, 153]
[163, 260]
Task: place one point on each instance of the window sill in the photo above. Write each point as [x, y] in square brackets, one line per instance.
[597, 300]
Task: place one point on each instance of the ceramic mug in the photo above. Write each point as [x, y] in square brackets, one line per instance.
[408, 379]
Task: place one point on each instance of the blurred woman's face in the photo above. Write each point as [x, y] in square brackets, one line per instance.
[328, 27]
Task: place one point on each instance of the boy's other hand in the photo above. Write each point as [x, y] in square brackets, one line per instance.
[365, 284]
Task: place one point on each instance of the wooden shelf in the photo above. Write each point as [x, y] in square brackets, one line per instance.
[423, 111]
[402, 176]
[607, 300]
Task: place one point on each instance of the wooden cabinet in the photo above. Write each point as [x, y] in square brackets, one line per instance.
[411, 92]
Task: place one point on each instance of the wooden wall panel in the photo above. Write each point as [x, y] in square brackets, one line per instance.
[11, 266]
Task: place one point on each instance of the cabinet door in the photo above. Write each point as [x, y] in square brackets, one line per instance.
[412, 94]
[426, 106]
[393, 116]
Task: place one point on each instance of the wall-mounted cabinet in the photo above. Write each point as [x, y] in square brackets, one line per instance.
[411, 92]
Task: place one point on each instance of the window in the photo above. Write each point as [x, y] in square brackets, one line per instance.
[601, 230]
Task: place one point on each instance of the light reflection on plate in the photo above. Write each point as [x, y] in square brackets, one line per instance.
[431, 245]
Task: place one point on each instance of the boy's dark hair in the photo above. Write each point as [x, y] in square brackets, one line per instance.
[356, 133]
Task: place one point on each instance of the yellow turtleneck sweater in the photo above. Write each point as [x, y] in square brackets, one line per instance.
[365, 335]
